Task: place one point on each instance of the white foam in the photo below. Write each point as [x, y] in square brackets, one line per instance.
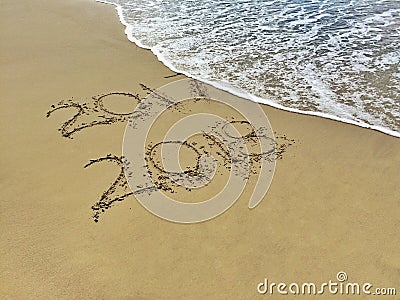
[317, 85]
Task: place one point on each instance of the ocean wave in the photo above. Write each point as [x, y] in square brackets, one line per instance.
[338, 60]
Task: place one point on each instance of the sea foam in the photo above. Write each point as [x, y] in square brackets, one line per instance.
[338, 60]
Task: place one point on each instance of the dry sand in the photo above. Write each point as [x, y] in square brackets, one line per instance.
[333, 204]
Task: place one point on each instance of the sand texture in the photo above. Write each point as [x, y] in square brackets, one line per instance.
[70, 228]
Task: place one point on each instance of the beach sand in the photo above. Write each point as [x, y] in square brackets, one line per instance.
[333, 204]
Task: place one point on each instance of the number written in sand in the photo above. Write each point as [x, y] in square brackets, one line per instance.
[92, 113]
[119, 189]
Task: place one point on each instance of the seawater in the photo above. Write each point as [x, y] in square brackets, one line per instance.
[336, 59]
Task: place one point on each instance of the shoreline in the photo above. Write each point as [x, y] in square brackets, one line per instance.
[237, 92]
[332, 204]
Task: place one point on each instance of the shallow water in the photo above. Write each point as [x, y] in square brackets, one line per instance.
[338, 58]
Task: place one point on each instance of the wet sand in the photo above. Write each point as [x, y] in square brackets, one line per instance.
[333, 204]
